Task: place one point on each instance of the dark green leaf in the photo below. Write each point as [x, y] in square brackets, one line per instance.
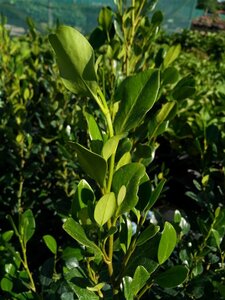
[170, 75]
[155, 194]
[172, 277]
[147, 234]
[136, 94]
[6, 284]
[105, 19]
[129, 176]
[93, 164]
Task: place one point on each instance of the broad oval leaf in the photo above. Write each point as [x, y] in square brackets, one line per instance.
[172, 277]
[75, 58]
[50, 243]
[93, 164]
[167, 243]
[105, 208]
[130, 176]
[121, 195]
[76, 231]
[137, 94]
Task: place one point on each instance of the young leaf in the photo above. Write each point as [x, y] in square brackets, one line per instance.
[129, 176]
[105, 18]
[136, 94]
[110, 146]
[75, 58]
[93, 164]
[27, 225]
[172, 277]
[167, 243]
[121, 195]
[76, 231]
[171, 55]
[94, 131]
[105, 208]
[50, 243]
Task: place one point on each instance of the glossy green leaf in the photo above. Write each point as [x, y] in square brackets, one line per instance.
[27, 225]
[83, 195]
[124, 160]
[105, 208]
[93, 164]
[121, 195]
[76, 231]
[167, 243]
[129, 176]
[110, 146]
[133, 286]
[157, 18]
[147, 234]
[94, 131]
[171, 55]
[136, 94]
[76, 66]
[172, 277]
[50, 242]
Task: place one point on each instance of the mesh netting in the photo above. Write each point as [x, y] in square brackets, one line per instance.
[83, 13]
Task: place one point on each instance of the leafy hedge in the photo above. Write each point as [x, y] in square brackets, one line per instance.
[39, 174]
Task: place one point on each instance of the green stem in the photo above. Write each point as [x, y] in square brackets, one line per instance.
[26, 266]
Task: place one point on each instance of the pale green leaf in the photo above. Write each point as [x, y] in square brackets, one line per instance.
[167, 243]
[75, 58]
[105, 208]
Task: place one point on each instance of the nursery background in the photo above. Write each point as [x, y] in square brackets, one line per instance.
[56, 242]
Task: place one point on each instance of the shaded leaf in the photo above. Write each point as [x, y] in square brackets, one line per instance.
[147, 234]
[93, 164]
[136, 94]
[172, 277]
